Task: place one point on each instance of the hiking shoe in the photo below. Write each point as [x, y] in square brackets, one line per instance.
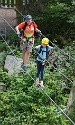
[24, 67]
[41, 85]
[22, 64]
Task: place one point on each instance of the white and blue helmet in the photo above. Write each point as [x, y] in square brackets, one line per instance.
[28, 17]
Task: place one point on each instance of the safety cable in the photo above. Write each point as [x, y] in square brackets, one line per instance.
[61, 73]
[41, 88]
[58, 107]
[61, 110]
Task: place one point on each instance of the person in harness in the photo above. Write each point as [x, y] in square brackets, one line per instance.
[43, 51]
[27, 38]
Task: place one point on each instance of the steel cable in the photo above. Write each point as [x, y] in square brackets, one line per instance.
[41, 88]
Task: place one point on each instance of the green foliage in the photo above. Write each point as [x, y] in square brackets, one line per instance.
[3, 46]
[57, 19]
[2, 59]
[5, 77]
[13, 38]
[21, 103]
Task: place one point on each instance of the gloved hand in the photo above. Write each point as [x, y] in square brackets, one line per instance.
[18, 33]
[39, 31]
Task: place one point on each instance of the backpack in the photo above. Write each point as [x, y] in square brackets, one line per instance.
[43, 51]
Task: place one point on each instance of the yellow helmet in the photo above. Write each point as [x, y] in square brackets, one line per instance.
[45, 40]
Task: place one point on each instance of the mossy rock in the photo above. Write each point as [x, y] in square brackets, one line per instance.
[2, 86]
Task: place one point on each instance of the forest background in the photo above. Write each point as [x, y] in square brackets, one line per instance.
[21, 103]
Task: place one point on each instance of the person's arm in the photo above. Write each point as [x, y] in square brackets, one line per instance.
[51, 50]
[19, 27]
[17, 30]
[37, 46]
[37, 30]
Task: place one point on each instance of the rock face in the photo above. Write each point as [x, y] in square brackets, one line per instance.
[2, 87]
[7, 15]
[13, 64]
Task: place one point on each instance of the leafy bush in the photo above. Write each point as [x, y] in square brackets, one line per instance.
[13, 38]
[3, 46]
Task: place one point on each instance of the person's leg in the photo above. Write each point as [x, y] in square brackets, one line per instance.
[23, 46]
[38, 69]
[23, 55]
[26, 56]
[42, 75]
[27, 52]
[26, 49]
[42, 72]
[38, 72]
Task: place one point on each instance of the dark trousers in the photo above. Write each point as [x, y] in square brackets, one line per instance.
[40, 70]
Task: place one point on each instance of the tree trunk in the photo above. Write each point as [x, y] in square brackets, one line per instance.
[71, 97]
[19, 6]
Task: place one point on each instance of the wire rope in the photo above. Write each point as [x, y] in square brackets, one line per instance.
[61, 110]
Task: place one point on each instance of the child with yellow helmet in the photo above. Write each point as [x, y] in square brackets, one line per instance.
[45, 41]
[41, 59]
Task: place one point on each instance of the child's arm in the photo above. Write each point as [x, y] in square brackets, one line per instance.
[51, 50]
[37, 46]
